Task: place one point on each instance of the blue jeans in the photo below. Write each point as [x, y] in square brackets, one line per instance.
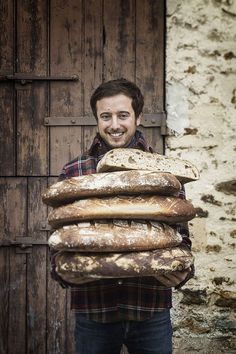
[150, 336]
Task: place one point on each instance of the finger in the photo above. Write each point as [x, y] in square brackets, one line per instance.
[181, 275]
[165, 281]
[176, 277]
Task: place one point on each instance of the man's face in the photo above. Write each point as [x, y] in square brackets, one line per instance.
[116, 120]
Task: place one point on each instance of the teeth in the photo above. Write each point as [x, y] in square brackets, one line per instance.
[116, 134]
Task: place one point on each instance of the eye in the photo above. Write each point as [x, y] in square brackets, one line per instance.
[123, 115]
[105, 116]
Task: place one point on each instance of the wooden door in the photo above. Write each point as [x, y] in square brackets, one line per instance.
[53, 54]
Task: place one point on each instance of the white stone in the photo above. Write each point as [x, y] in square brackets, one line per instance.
[201, 34]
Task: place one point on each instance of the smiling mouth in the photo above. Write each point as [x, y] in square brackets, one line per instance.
[116, 135]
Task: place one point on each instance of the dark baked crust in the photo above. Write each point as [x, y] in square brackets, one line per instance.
[146, 207]
[114, 236]
[72, 265]
[111, 183]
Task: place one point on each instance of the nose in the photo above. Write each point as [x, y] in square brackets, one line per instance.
[114, 123]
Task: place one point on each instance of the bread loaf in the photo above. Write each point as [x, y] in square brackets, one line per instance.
[105, 184]
[134, 159]
[159, 208]
[72, 266]
[114, 236]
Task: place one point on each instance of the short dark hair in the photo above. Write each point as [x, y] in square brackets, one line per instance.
[116, 87]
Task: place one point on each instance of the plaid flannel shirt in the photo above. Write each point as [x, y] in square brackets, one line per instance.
[110, 300]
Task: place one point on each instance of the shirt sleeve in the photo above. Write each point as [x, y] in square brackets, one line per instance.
[62, 175]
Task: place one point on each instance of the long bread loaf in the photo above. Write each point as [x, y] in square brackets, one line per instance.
[134, 159]
[72, 265]
[105, 184]
[114, 236]
[158, 208]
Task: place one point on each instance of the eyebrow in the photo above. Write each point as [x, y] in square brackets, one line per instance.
[117, 112]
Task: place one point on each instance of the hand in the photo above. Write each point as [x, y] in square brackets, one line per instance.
[174, 278]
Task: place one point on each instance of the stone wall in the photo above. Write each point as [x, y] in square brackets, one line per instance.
[201, 107]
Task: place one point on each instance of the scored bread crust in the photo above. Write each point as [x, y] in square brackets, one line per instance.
[134, 159]
[73, 265]
[145, 207]
[111, 183]
[114, 236]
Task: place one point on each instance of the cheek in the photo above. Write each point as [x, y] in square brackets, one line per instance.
[131, 127]
[101, 126]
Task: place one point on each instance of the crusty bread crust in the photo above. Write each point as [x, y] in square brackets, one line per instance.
[114, 236]
[146, 207]
[72, 265]
[134, 159]
[111, 183]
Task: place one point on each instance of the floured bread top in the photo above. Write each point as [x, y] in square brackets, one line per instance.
[111, 183]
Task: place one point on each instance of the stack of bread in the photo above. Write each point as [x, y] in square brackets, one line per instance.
[120, 221]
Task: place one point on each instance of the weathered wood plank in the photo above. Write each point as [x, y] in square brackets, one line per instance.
[7, 37]
[119, 39]
[150, 61]
[56, 318]
[15, 220]
[31, 101]
[92, 74]
[7, 146]
[36, 269]
[150, 52]
[31, 36]
[31, 133]
[66, 51]
[4, 276]
[4, 298]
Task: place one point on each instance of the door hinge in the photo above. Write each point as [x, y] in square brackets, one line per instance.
[25, 78]
[44, 226]
[149, 120]
[23, 244]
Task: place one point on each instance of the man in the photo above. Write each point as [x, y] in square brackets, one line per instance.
[131, 311]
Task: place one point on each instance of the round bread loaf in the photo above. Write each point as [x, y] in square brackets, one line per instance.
[114, 236]
[122, 159]
[72, 266]
[158, 208]
[112, 183]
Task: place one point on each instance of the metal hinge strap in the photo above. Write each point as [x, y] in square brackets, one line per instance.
[22, 242]
[148, 120]
[44, 225]
[25, 78]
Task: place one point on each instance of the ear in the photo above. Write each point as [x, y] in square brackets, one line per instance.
[138, 119]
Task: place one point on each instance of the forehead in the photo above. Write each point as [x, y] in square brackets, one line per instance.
[115, 103]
